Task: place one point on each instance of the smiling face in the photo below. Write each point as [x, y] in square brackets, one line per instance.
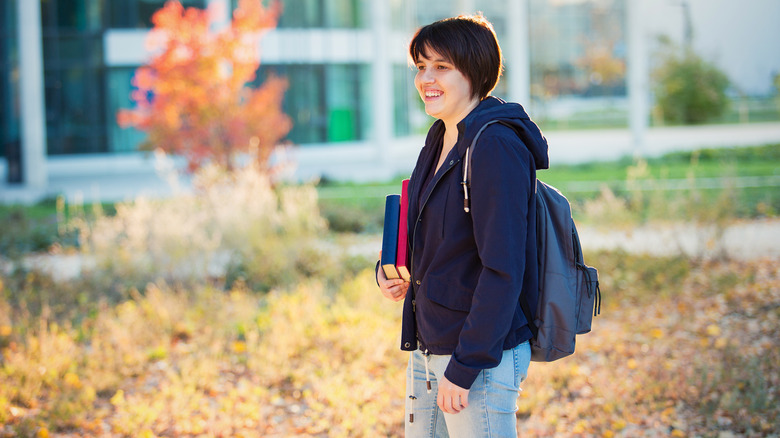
[445, 91]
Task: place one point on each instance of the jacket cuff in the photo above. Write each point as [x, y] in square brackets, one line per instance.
[460, 374]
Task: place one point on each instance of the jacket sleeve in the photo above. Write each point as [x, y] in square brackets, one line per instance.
[501, 190]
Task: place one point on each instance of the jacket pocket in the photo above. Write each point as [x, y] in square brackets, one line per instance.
[448, 293]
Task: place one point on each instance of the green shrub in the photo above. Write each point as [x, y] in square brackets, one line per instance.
[358, 216]
[689, 89]
[21, 233]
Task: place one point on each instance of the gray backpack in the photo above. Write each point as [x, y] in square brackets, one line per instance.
[569, 293]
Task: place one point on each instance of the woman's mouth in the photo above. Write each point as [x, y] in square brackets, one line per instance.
[432, 94]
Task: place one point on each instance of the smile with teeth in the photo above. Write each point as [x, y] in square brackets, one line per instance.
[432, 93]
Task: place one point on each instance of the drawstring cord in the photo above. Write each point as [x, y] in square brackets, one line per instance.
[412, 398]
[427, 375]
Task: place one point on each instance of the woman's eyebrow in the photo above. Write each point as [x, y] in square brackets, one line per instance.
[439, 59]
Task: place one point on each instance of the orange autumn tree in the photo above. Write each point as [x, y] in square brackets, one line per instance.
[192, 98]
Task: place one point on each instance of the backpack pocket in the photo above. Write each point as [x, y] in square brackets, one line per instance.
[589, 297]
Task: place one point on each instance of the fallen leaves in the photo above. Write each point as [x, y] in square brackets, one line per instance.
[697, 360]
[700, 359]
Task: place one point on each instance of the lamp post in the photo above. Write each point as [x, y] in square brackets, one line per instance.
[638, 76]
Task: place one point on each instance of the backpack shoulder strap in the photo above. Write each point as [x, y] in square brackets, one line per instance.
[466, 183]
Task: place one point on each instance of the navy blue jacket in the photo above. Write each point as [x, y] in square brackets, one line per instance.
[470, 269]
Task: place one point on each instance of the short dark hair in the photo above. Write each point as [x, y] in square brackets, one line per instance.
[468, 42]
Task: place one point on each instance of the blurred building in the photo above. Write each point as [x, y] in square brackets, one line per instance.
[67, 67]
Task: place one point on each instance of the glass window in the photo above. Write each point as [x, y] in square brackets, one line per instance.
[8, 19]
[118, 89]
[326, 102]
[72, 50]
[365, 103]
[304, 101]
[401, 100]
[409, 111]
[401, 15]
[10, 146]
[307, 14]
[74, 75]
[343, 14]
[342, 83]
[577, 49]
[427, 11]
[138, 13]
[79, 15]
[302, 14]
[74, 110]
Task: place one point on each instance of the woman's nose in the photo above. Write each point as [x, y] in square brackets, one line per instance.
[426, 77]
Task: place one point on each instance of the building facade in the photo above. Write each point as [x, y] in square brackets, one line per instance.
[67, 67]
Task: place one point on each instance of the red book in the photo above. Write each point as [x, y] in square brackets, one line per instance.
[402, 259]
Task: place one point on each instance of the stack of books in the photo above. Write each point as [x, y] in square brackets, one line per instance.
[395, 249]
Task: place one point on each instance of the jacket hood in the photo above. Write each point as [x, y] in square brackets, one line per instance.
[493, 108]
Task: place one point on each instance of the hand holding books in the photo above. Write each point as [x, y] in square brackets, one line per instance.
[394, 274]
[394, 289]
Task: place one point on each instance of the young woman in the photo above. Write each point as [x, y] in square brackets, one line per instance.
[462, 318]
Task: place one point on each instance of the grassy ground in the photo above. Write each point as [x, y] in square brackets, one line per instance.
[749, 176]
[30, 228]
[27, 228]
[681, 349]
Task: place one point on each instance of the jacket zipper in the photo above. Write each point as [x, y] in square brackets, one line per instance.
[414, 232]
[412, 397]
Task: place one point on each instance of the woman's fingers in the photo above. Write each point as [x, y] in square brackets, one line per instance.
[449, 403]
[394, 289]
[451, 398]
[399, 291]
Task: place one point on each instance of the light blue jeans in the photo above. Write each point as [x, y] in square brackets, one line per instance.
[492, 398]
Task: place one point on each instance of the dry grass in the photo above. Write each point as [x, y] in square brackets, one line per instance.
[299, 343]
[696, 360]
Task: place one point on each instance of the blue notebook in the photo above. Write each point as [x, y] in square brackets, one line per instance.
[390, 236]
